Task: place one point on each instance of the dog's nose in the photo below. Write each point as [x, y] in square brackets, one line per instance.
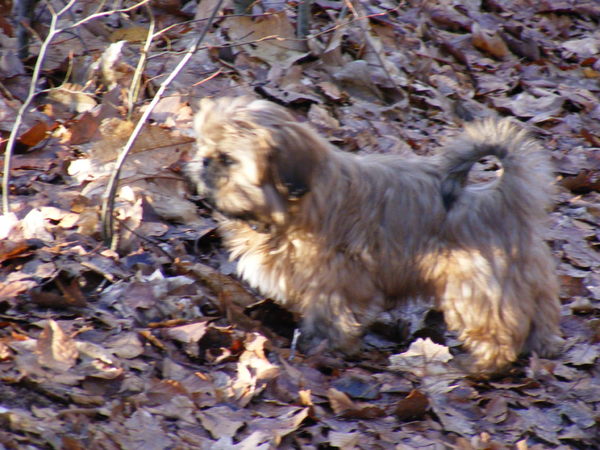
[206, 162]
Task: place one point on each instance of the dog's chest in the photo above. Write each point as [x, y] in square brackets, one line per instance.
[277, 266]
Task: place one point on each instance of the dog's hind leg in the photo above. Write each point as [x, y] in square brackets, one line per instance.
[483, 304]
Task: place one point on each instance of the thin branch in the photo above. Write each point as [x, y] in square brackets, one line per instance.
[189, 22]
[134, 90]
[104, 14]
[363, 24]
[24, 11]
[350, 22]
[52, 33]
[208, 78]
[243, 6]
[111, 189]
[303, 18]
[30, 96]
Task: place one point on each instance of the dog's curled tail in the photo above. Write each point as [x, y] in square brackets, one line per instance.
[525, 187]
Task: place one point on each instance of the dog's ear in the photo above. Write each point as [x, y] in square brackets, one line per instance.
[292, 173]
[294, 160]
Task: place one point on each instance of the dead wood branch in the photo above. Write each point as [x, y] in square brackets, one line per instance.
[111, 189]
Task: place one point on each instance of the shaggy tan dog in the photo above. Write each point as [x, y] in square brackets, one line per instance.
[338, 237]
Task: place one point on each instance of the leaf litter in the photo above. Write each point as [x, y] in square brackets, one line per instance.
[155, 344]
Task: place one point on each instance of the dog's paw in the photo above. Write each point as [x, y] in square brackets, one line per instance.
[313, 342]
[310, 343]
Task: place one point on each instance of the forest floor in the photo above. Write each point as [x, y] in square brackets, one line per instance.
[153, 343]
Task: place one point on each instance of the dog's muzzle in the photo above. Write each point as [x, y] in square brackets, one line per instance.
[209, 173]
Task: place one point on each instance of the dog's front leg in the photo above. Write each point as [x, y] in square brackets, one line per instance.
[333, 320]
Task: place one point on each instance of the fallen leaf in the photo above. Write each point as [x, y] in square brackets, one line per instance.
[253, 369]
[356, 386]
[538, 108]
[344, 440]
[582, 354]
[35, 134]
[423, 356]
[489, 41]
[131, 34]
[73, 97]
[412, 407]
[223, 421]
[126, 345]
[34, 226]
[56, 350]
[188, 333]
[143, 430]
[272, 38]
[343, 406]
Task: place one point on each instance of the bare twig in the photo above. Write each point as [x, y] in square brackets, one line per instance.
[350, 22]
[100, 14]
[297, 333]
[370, 42]
[303, 18]
[136, 82]
[52, 33]
[208, 78]
[243, 6]
[190, 22]
[24, 10]
[111, 189]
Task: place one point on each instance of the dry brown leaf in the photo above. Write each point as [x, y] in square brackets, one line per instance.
[340, 402]
[343, 406]
[10, 64]
[188, 333]
[5, 352]
[56, 349]
[357, 386]
[11, 249]
[584, 48]
[413, 406]
[222, 285]
[126, 345]
[34, 226]
[253, 370]
[83, 129]
[130, 34]
[273, 429]
[344, 440]
[541, 107]
[155, 149]
[423, 356]
[223, 421]
[273, 38]
[582, 354]
[73, 97]
[143, 430]
[35, 134]
[489, 41]
[14, 285]
[173, 112]
[304, 397]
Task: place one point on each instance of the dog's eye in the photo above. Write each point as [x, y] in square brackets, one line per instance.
[225, 160]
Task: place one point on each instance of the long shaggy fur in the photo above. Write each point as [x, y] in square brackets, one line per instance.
[338, 237]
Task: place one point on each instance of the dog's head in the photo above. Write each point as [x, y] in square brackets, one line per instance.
[253, 159]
